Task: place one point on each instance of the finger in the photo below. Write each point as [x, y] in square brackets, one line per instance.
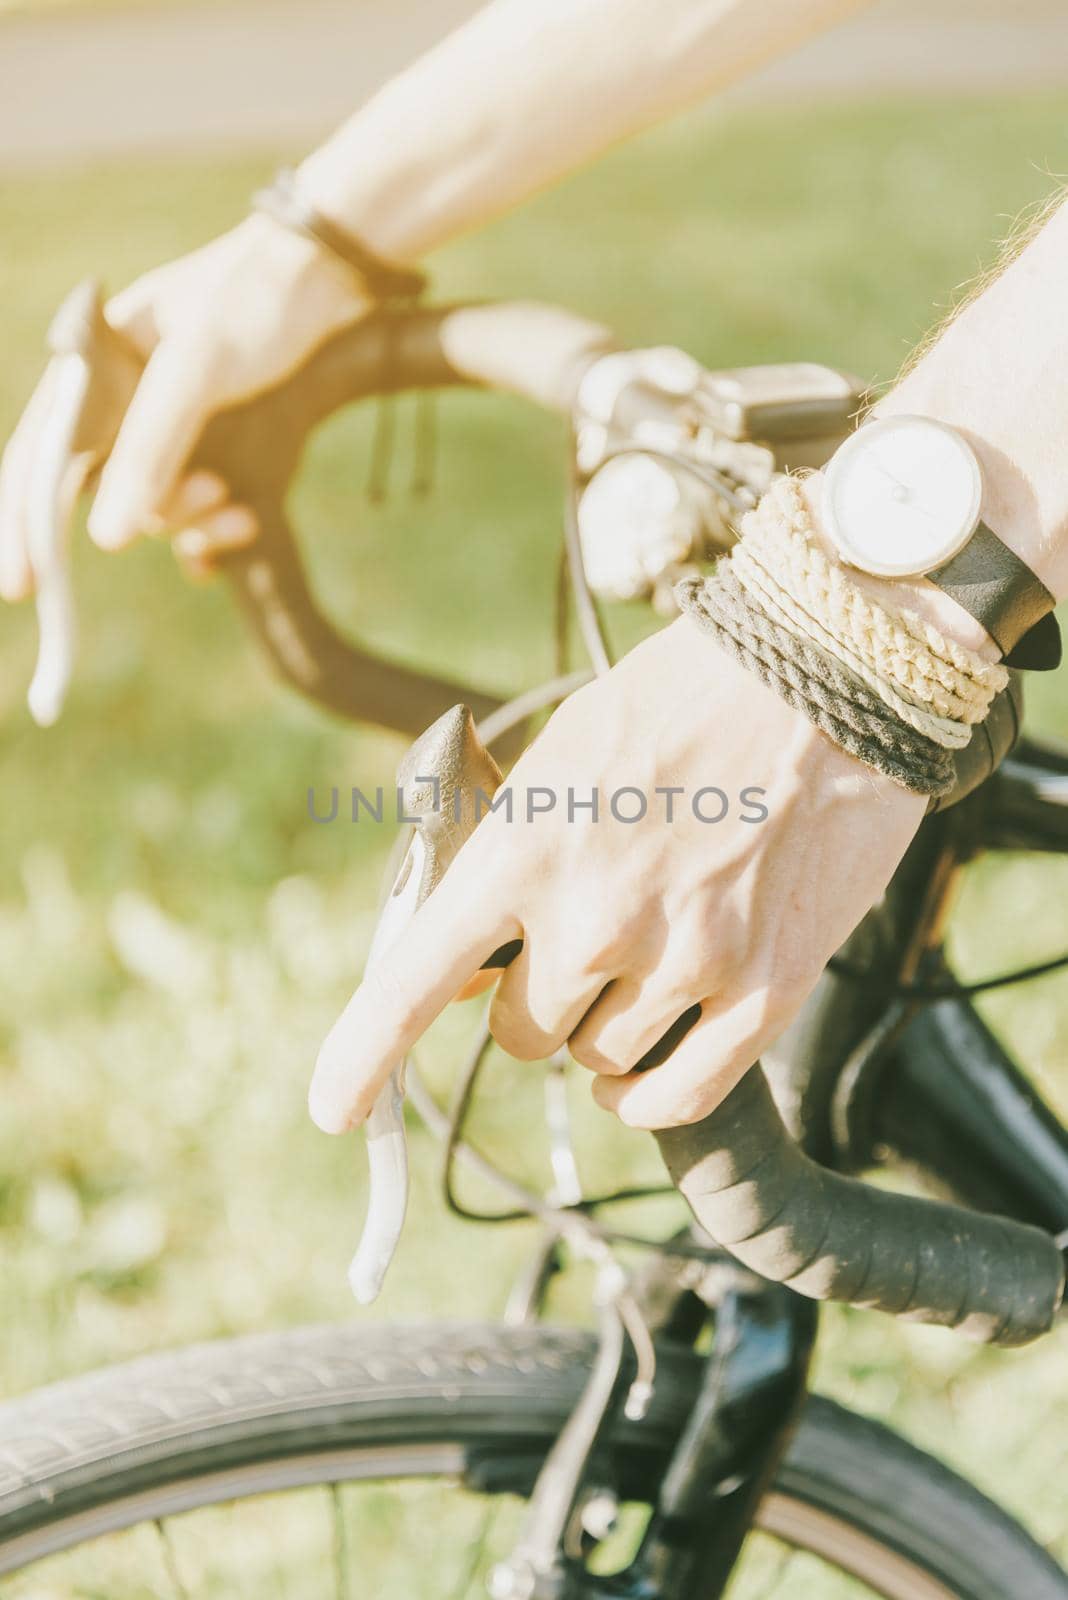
[490, 971]
[446, 942]
[132, 312]
[16, 572]
[537, 1006]
[628, 1020]
[478, 984]
[163, 423]
[215, 536]
[702, 1070]
[194, 496]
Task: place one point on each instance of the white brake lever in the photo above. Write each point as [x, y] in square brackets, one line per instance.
[89, 383]
[440, 781]
[387, 1145]
[54, 487]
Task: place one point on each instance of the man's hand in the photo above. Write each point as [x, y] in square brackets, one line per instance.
[628, 925]
[213, 328]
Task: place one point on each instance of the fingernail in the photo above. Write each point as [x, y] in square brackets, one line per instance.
[326, 1116]
[201, 490]
[13, 588]
[234, 525]
[597, 1095]
[108, 528]
[323, 1105]
[191, 544]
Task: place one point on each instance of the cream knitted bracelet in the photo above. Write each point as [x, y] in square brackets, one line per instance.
[935, 685]
[951, 733]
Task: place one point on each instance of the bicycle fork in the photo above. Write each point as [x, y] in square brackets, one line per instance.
[743, 1416]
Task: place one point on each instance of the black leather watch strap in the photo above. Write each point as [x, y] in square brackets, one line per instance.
[1001, 592]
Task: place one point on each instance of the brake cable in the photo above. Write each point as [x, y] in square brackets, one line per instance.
[449, 1126]
[952, 989]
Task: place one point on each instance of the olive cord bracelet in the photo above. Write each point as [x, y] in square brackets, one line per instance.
[815, 683]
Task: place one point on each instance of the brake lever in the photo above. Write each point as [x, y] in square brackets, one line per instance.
[91, 380]
[443, 784]
[53, 490]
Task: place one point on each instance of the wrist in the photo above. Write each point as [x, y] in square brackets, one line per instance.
[306, 278]
[382, 204]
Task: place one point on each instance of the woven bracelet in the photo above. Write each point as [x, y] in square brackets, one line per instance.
[815, 683]
[937, 685]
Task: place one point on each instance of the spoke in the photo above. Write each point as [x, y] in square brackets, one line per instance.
[340, 1543]
[170, 1561]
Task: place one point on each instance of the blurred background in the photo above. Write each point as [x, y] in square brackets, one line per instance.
[175, 935]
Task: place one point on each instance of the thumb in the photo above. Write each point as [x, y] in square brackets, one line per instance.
[446, 941]
[173, 401]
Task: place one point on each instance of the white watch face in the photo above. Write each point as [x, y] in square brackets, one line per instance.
[901, 496]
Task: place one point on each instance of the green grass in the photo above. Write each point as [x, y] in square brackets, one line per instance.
[175, 936]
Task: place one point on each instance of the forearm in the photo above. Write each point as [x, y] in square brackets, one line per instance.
[999, 374]
[527, 91]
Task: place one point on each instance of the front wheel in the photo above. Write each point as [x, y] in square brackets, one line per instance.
[392, 1462]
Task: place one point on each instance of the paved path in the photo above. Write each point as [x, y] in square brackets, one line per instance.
[249, 72]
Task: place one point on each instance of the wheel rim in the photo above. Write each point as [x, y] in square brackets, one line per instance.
[778, 1562]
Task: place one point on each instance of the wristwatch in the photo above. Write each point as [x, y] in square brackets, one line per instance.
[901, 499]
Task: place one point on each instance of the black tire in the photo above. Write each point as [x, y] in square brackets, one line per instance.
[319, 1405]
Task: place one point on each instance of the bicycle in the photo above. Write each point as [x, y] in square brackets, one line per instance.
[688, 1408]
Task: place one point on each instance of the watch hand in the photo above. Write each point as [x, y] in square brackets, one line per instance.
[888, 474]
[905, 495]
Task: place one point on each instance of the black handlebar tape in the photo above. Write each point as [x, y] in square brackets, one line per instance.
[757, 1195]
[257, 447]
[529, 349]
[532, 350]
[311, 655]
